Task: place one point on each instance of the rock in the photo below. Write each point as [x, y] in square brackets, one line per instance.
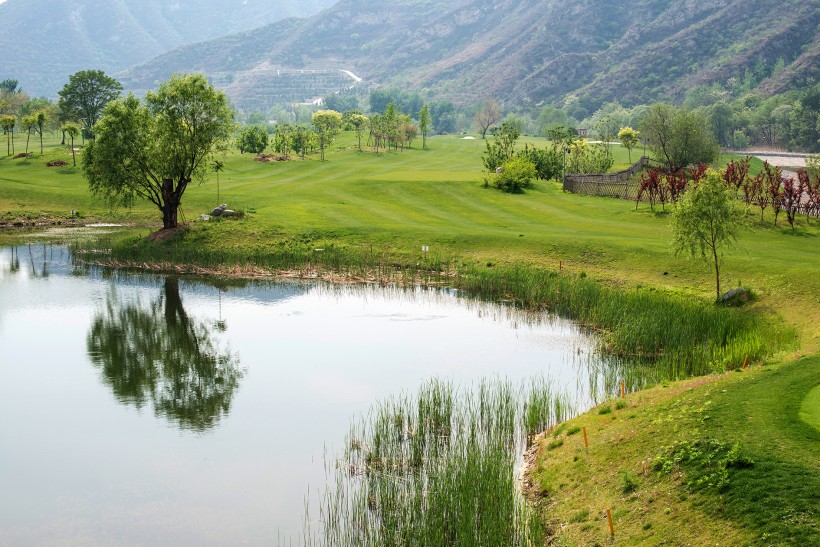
[219, 210]
[228, 213]
[205, 217]
[737, 296]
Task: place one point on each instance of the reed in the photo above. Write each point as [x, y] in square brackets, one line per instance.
[438, 468]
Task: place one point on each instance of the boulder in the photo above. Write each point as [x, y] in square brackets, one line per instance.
[219, 210]
[736, 297]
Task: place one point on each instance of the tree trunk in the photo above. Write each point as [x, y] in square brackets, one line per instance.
[170, 205]
[73, 154]
[717, 273]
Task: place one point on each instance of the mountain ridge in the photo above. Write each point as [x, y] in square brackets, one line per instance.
[526, 51]
[52, 39]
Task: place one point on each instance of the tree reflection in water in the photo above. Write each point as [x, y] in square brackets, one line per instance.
[158, 353]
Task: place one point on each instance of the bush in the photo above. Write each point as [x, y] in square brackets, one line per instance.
[548, 162]
[515, 175]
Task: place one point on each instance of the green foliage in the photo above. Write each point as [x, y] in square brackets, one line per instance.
[424, 124]
[679, 136]
[8, 122]
[327, 124]
[628, 482]
[547, 161]
[85, 95]
[629, 139]
[706, 461]
[156, 149]
[515, 175]
[73, 131]
[706, 221]
[253, 139]
[502, 147]
[10, 86]
[740, 140]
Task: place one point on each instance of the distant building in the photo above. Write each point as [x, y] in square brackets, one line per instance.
[582, 133]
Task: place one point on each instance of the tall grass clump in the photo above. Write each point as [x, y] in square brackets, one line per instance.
[651, 335]
[439, 469]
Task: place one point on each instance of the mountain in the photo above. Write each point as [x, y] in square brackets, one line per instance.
[44, 41]
[522, 51]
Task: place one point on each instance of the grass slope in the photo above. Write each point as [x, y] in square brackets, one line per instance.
[772, 502]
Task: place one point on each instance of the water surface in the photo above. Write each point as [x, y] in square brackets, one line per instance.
[142, 409]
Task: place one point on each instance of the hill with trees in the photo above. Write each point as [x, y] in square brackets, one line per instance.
[46, 40]
[578, 54]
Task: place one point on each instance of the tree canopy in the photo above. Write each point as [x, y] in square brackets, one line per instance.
[489, 112]
[679, 136]
[85, 95]
[327, 124]
[155, 149]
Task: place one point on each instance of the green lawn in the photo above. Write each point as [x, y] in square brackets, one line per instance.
[772, 498]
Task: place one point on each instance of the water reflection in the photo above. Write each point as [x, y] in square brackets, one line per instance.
[157, 353]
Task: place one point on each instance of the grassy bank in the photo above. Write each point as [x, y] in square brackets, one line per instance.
[724, 460]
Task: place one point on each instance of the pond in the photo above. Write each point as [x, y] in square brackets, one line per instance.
[142, 409]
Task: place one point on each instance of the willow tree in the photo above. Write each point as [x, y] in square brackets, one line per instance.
[156, 148]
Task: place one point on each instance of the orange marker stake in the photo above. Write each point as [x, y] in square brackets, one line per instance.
[611, 527]
[586, 442]
[560, 265]
[623, 389]
[745, 361]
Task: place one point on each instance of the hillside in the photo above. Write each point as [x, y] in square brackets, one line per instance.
[526, 51]
[46, 40]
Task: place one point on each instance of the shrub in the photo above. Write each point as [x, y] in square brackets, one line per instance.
[628, 482]
[514, 176]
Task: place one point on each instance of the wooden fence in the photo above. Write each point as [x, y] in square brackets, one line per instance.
[613, 185]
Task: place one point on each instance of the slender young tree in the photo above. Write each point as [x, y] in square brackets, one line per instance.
[424, 124]
[359, 123]
[72, 130]
[706, 222]
[28, 123]
[216, 167]
[8, 122]
[629, 139]
[327, 124]
[41, 118]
